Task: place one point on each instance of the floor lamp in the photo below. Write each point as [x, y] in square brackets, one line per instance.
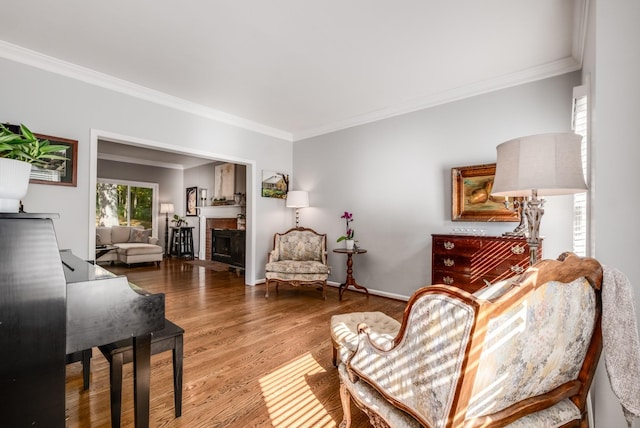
[166, 209]
[539, 165]
[297, 199]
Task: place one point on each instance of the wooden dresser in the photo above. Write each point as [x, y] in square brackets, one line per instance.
[466, 261]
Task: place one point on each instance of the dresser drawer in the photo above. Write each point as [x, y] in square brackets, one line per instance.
[468, 261]
[456, 245]
[456, 279]
[452, 262]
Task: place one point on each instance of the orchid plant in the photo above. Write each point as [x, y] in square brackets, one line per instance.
[348, 218]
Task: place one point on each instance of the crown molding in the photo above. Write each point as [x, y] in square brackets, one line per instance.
[552, 69]
[44, 62]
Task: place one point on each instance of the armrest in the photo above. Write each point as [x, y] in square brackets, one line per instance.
[273, 256]
[153, 240]
[420, 373]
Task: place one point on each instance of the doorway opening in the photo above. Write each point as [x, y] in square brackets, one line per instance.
[124, 158]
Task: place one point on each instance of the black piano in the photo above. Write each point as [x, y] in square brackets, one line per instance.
[53, 303]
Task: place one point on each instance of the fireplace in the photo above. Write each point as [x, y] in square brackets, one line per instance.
[228, 246]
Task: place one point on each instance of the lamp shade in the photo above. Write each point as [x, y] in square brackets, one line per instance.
[297, 199]
[166, 208]
[551, 164]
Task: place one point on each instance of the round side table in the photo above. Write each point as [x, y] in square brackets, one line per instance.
[350, 281]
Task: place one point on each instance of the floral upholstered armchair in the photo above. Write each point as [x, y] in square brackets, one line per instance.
[519, 353]
[299, 257]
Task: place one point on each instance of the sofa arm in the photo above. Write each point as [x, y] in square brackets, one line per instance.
[274, 256]
[153, 240]
[420, 373]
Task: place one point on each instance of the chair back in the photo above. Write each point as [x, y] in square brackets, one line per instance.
[522, 345]
[300, 244]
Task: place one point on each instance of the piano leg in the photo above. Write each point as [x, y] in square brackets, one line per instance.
[141, 379]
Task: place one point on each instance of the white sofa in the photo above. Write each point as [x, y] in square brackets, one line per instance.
[133, 245]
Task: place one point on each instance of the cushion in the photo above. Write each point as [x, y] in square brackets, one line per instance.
[297, 267]
[120, 234]
[361, 392]
[557, 415]
[139, 235]
[300, 245]
[103, 235]
[554, 416]
[137, 249]
[344, 330]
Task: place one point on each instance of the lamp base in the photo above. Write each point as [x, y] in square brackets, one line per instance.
[521, 229]
[533, 211]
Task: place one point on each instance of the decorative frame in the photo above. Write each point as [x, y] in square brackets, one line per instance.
[191, 201]
[471, 198]
[274, 184]
[59, 173]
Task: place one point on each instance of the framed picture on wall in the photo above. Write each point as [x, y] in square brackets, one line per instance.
[274, 184]
[192, 201]
[471, 198]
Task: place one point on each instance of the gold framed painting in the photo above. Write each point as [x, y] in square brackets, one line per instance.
[471, 198]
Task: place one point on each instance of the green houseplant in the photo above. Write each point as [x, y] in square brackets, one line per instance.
[19, 150]
[26, 147]
[179, 221]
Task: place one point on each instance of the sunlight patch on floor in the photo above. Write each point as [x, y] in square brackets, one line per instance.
[289, 398]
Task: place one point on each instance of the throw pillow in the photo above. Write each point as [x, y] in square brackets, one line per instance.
[139, 235]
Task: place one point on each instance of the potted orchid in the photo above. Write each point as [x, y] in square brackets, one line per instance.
[348, 236]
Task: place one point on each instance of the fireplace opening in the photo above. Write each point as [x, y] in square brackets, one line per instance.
[228, 246]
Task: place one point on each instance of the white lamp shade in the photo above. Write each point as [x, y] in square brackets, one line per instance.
[297, 199]
[166, 208]
[548, 163]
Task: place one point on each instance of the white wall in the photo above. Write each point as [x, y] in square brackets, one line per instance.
[394, 175]
[614, 65]
[56, 105]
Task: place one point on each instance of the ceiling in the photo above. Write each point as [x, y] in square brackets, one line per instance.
[298, 68]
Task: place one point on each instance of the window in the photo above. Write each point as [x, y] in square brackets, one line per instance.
[126, 203]
[580, 126]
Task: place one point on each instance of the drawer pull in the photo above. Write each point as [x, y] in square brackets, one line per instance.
[447, 280]
[449, 245]
[517, 249]
[448, 262]
[517, 269]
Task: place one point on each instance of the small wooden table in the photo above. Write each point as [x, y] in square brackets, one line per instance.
[350, 281]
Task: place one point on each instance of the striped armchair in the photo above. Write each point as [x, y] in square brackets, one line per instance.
[519, 353]
[299, 257]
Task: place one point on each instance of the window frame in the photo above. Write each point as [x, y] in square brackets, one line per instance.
[581, 125]
[155, 207]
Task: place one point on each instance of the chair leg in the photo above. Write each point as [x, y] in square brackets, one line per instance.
[177, 376]
[266, 295]
[334, 358]
[115, 378]
[346, 407]
[324, 290]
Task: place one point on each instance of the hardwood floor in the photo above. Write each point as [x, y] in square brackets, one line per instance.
[248, 361]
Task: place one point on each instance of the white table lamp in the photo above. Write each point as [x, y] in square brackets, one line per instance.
[539, 165]
[297, 199]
